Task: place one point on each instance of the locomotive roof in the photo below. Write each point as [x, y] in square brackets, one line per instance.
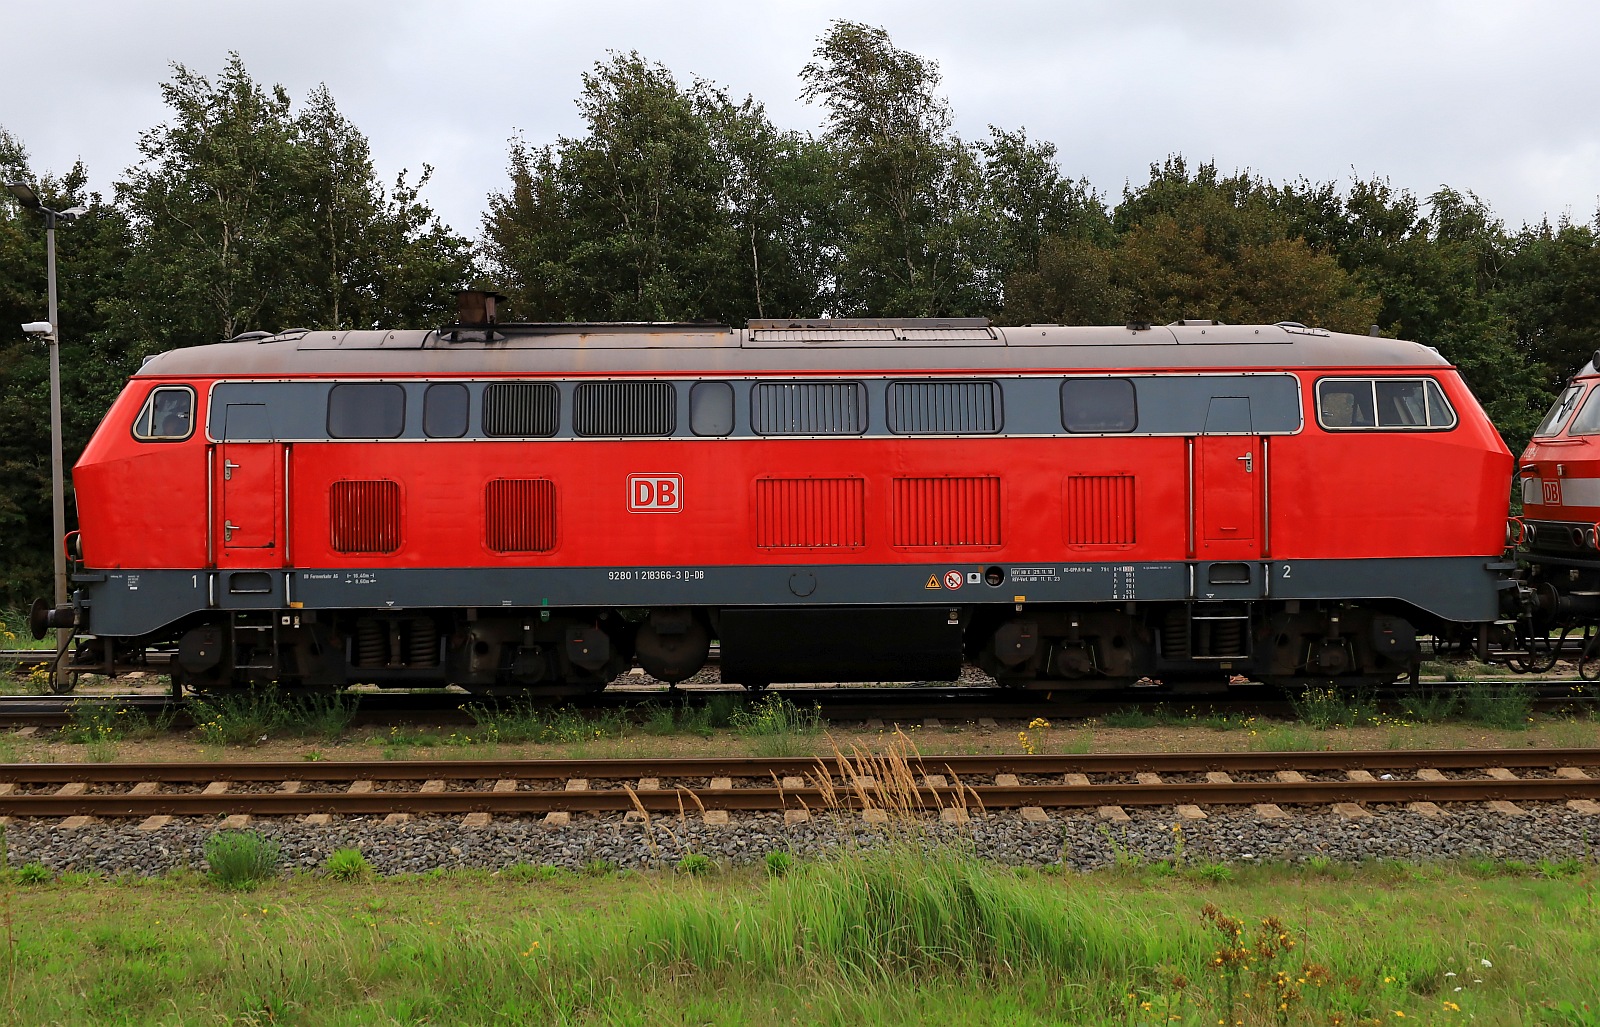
[766, 347]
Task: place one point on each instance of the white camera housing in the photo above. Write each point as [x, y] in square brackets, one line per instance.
[39, 328]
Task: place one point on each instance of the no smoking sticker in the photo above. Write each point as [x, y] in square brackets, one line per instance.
[952, 579]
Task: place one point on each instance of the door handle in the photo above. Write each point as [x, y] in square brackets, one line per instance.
[1249, 462]
[228, 467]
[228, 528]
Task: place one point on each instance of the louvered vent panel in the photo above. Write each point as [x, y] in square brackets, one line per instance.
[364, 516]
[520, 515]
[810, 512]
[810, 408]
[625, 408]
[1098, 509]
[521, 409]
[944, 408]
[947, 512]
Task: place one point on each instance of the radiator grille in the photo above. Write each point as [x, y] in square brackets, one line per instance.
[520, 515]
[1098, 510]
[809, 408]
[521, 409]
[625, 408]
[810, 512]
[944, 408]
[364, 516]
[947, 511]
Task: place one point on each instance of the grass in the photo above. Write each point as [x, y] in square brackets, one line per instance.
[240, 860]
[778, 726]
[892, 937]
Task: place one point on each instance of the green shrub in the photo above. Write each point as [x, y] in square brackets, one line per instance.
[1216, 873]
[34, 873]
[239, 719]
[1430, 707]
[324, 716]
[347, 865]
[1325, 708]
[240, 860]
[1508, 707]
[599, 868]
[696, 864]
[780, 863]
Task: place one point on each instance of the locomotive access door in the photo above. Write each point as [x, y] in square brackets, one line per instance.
[1230, 478]
[250, 484]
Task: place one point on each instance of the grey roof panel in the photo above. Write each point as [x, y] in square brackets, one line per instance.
[708, 351]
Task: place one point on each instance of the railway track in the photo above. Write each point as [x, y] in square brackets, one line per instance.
[953, 787]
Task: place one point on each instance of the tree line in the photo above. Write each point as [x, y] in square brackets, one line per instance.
[676, 201]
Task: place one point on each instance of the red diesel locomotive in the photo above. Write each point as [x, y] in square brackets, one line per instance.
[1560, 479]
[538, 507]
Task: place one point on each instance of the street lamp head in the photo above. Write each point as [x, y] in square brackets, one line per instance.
[24, 194]
[73, 213]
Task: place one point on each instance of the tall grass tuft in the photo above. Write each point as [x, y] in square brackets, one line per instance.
[1325, 708]
[1507, 706]
[881, 913]
[240, 860]
[778, 725]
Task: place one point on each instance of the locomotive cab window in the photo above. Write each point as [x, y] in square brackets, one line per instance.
[1098, 405]
[444, 411]
[369, 410]
[1383, 404]
[167, 415]
[1559, 414]
[1587, 421]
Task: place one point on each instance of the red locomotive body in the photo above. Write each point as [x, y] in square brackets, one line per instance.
[536, 507]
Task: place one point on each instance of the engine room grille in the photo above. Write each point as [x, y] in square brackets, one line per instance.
[625, 408]
[947, 512]
[520, 515]
[521, 409]
[364, 516]
[944, 408]
[810, 512]
[809, 408]
[1098, 510]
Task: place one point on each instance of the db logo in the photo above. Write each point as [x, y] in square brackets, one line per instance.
[1552, 493]
[655, 493]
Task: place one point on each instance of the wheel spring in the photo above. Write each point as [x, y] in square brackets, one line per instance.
[1175, 635]
[422, 646]
[372, 643]
[1227, 638]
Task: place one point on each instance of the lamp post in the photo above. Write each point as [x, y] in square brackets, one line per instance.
[26, 196]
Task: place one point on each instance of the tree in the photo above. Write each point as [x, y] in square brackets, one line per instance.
[676, 203]
[249, 216]
[916, 236]
[92, 251]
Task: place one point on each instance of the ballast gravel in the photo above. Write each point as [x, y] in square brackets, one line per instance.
[1078, 839]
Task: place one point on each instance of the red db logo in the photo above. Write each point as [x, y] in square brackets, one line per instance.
[655, 493]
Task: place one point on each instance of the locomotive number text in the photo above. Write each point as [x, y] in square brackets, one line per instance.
[658, 574]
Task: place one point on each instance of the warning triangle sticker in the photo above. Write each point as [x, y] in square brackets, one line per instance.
[933, 582]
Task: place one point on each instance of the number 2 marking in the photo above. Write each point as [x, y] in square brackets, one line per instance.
[1286, 570]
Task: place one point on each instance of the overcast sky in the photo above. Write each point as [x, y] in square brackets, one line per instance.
[1497, 98]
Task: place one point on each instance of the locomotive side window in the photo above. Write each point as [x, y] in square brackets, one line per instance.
[711, 408]
[1561, 413]
[809, 408]
[944, 408]
[1345, 404]
[366, 411]
[625, 408]
[521, 409]
[1383, 404]
[1095, 405]
[167, 415]
[444, 411]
